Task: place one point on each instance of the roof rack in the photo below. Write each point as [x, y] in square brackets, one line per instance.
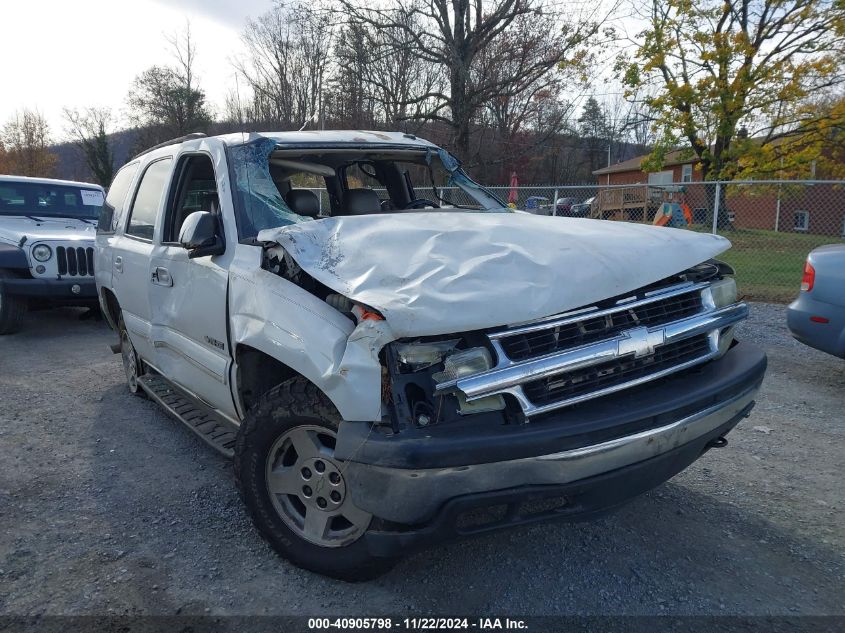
[173, 141]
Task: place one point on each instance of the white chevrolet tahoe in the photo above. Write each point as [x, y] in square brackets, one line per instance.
[46, 245]
[402, 358]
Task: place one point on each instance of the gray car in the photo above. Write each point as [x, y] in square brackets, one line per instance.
[817, 316]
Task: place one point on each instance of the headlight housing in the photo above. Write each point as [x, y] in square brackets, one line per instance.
[466, 363]
[723, 292]
[421, 355]
[42, 252]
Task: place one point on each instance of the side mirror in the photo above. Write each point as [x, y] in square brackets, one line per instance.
[200, 235]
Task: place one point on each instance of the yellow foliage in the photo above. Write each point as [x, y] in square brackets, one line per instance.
[713, 68]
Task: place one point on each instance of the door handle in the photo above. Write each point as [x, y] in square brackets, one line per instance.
[161, 276]
[118, 264]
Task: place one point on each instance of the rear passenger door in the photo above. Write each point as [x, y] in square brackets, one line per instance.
[111, 214]
[132, 252]
[188, 296]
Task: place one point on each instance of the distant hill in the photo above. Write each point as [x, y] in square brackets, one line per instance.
[70, 164]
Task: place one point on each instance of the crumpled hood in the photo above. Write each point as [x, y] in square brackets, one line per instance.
[436, 273]
[14, 228]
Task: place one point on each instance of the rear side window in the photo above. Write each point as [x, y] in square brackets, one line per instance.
[147, 201]
[112, 209]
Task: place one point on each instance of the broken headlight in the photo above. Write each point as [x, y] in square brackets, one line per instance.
[466, 363]
[421, 355]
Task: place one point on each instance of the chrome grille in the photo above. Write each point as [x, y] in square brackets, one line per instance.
[75, 261]
[599, 377]
[590, 329]
[601, 349]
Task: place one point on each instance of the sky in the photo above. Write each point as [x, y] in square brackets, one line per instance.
[81, 53]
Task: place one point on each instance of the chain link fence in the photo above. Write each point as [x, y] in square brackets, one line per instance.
[772, 224]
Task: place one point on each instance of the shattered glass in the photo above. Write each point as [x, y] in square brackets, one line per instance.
[458, 178]
[262, 206]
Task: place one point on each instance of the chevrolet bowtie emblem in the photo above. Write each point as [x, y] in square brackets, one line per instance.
[640, 341]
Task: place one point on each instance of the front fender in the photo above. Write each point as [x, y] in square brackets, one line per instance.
[280, 319]
[13, 257]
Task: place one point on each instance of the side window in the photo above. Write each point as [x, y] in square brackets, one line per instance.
[196, 190]
[112, 209]
[142, 215]
[363, 176]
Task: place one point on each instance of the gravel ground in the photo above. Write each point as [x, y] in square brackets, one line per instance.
[108, 506]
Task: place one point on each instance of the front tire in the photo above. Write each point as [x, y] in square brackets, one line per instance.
[12, 310]
[294, 488]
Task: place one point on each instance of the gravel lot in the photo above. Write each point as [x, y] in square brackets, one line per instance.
[108, 506]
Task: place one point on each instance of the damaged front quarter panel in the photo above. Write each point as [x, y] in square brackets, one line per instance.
[281, 319]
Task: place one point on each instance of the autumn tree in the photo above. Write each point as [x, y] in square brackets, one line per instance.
[351, 98]
[813, 149]
[532, 112]
[380, 76]
[26, 142]
[453, 34]
[5, 165]
[712, 68]
[285, 65]
[594, 130]
[167, 101]
[89, 129]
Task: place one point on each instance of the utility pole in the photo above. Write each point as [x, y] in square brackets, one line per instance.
[777, 207]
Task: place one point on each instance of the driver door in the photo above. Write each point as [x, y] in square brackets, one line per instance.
[188, 296]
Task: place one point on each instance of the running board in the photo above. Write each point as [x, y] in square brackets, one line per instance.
[216, 430]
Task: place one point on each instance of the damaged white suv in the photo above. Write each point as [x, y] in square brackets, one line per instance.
[394, 357]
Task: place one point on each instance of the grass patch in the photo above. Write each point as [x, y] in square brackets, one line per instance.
[769, 264]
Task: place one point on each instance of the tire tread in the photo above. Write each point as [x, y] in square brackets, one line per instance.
[12, 312]
[294, 399]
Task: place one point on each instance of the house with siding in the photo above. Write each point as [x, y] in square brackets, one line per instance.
[627, 191]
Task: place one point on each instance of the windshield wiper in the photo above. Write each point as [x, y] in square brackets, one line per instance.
[71, 217]
[12, 214]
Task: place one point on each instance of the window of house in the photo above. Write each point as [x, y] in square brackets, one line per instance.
[801, 220]
[661, 178]
[147, 201]
[686, 173]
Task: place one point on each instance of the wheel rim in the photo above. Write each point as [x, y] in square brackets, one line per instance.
[130, 361]
[308, 490]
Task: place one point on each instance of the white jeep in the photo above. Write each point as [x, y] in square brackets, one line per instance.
[394, 357]
[46, 245]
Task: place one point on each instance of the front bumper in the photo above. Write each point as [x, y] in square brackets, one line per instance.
[415, 480]
[61, 290]
[524, 505]
[828, 337]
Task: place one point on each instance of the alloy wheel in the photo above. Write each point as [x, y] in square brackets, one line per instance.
[308, 490]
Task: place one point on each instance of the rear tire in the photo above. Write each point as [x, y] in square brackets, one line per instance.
[132, 366]
[293, 488]
[12, 310]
